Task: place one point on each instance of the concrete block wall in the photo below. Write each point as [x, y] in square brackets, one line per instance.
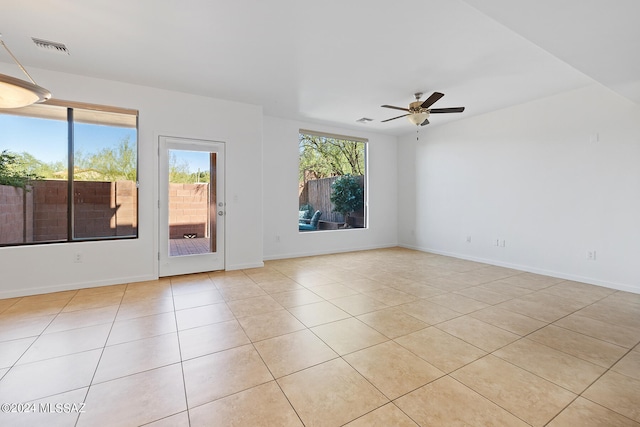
[49, 211]
[12, 214]
[188, 210]
[102, 209]
[125, 220]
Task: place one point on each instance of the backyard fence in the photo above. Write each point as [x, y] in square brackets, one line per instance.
[101, 209]
[188, 210]
[317, 193]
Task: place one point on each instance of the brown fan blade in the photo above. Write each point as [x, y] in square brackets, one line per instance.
[396, 108]
[447, 110]
[388, 120]
[432, 99]
[426, 122]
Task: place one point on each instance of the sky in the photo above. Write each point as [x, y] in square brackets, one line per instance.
[197, 160]
[46, 140]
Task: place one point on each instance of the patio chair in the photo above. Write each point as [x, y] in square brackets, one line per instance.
[313, 224]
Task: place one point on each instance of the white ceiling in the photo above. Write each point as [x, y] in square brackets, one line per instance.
[335, 61]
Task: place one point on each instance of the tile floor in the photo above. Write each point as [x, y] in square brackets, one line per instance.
[387, 337]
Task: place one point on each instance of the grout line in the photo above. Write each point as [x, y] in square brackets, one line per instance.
[580, 395]
[184, 383]
[486, 398]
[101, 354]
[344, 282]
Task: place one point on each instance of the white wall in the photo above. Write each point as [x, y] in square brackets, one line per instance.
[46, 268]
[280, 188]
[529, 175]
[534, 176]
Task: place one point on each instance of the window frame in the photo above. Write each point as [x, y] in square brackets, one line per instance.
[365, 176]
[71, 107]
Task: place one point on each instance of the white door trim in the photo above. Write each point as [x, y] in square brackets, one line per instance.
[174, 265]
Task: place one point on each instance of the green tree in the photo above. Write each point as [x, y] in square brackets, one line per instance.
[52, 170]
[323, 157]
[347, 196]
[117, 163]
[32, 166]
[180, 172]
[14, 171]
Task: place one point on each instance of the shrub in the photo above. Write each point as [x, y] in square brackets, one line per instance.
[347, 196]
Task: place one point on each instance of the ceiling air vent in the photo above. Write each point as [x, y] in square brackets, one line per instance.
[50, 46]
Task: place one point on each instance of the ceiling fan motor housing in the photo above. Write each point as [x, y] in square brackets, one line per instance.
[416, 107]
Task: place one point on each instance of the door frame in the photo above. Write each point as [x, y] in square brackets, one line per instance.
[213, 261]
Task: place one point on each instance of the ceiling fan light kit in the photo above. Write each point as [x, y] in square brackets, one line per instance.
[16, 93]
[418, 118]
[418, 112]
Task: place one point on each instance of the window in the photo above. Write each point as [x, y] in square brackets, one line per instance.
[68, 172]
[332, 182]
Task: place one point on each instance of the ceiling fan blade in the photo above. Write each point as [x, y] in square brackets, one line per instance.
[432, 99]
[388, 120]
[396, 108]
[426, 122]
[447, 110]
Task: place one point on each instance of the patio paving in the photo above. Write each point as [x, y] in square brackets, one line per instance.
[181, 247]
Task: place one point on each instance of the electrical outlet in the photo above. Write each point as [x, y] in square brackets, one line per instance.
[77, 257]
[591, 255]
[468, 239]
[500, 243]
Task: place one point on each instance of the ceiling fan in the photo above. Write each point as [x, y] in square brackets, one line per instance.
[418, 112]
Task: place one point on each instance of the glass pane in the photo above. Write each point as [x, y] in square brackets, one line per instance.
[105, 196]
[33, 175]
[191, 203]
[331, 183]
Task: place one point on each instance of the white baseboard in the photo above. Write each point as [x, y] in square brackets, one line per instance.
[327, 252]
[530, 269]
[244, 266]
[13, 293]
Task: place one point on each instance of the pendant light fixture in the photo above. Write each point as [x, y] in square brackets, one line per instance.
[16, 93]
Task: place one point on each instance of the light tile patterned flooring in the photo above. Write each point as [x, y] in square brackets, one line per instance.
[387, 337]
